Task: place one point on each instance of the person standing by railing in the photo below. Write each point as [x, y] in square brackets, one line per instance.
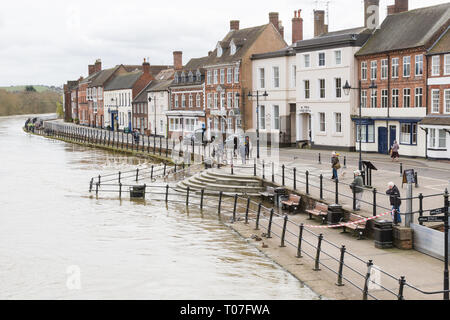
[358, 186]
[394, 197]
[335, 165]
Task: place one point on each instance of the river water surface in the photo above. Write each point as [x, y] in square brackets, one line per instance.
[52, 231]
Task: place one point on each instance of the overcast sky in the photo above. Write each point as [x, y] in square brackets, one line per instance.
[50, 42]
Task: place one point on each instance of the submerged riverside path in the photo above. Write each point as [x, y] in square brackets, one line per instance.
[393, 263]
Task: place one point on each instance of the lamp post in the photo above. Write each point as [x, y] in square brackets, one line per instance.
[257, 95]
[116, 118]
[347, 89]
[154, 104]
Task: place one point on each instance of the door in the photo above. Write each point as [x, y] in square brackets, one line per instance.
[112, 121]
[382, 140]
[392, 135]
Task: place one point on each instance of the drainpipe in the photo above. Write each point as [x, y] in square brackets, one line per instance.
[389, 101]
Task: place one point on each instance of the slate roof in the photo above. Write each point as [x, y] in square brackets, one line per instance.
[102, 77]
[436, 120]
[442, 45]
[192, 66]
[124, 81]
[154, 85]
[410, 29]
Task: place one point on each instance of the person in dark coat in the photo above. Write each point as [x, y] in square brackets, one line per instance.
[394, 198]
[335, 165]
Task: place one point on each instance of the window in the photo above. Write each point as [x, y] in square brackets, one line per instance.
[395, 98]
[419, 65]
[222, 76]
[406, 98]
[432, 141]
[276, 117]
[374, 98]
[183, 101]
[232, 48]
[442, 138]
[216, 100]
[447, 101]
[384, 98]
[262, 78]
[447, 64]
[229, 75]
[293, 76]
[198, 102]
[216, 75]
[322, 122]
[408, 133]
[363, 98]
[236, 101]
[395, 62]
[191, 101]
[209, 102]
[276, 77]
[230, 124]
[222, 100]
[384, 69]
[338, 122]
[338, 83]
[208, 77]
[236, 75]
[363, 70]
[435, 101]
[418, 98]
[321, 59]
[436, 66]
[262, 117]
[406, 66]
[175, 97]
[307, 60]
[191, 77]
[322, 88]
[373, 70]
[230, 100]
[338, 57]
[307, 89]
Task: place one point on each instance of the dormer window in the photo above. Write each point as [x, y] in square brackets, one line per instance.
[191, 76]
[176, 78]
[183, 77]
[198, 76]
[219, 50]
[233, 48]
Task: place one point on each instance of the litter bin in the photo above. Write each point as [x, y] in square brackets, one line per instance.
[335, 214]
[383, 234]
[281, 194]
[137, 192]
[208, 164]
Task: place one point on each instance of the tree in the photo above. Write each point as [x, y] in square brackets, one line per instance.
[59, 108]
[30, 89]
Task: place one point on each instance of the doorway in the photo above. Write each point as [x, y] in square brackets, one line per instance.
[392, 135]
[382, 140]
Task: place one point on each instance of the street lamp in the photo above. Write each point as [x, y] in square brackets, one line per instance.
[116, 118]
[347, 89]
[154, 103]
[257, 95]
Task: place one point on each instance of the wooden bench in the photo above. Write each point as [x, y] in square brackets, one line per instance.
[292, 203]
[359, 227]
[268, 194]
[320, 210]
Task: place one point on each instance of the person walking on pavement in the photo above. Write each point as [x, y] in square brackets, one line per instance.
[247, 147]
[335, 165]
[394, 198]
[358, 188]
[394, 151]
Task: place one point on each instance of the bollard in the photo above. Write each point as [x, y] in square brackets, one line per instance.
[220, 201]
[137, 175]
[337, 191]
[402, 283]
[145, 190]
[175, 168]
[96, 189]
[354, 198]
[416, 180]
[295, 178]
[202, 195]
[120, 176]
[341, 267]
[300, 238]
[120, 190]
[320, 160]
[148, 144]
[151, 174]
[160, 144]
[283, 234]
[165, 166]
[246, 211]
[254, 167]
[258, 215]
[345, 162]
[187, 196]
[90, 185]
[307, 182]
[283, 168]
[273, 172]
[263, 170]
[421, 207]
[401, 169]
[167, 193]
[321, 186]
[366, 282]
[99, 179]
[374, 204]
[269, 228]
[234, 208]
[317, 260]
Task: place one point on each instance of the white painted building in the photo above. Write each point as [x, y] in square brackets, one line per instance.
[117, 104]
[158, 106]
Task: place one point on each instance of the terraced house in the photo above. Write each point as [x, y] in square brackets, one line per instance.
[395, 59]
[229, 75]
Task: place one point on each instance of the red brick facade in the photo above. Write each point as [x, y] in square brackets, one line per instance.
[439, 82]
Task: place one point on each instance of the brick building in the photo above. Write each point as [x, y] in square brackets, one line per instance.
[67, 99]
[394, 58]
[437, 123]
[229, 75]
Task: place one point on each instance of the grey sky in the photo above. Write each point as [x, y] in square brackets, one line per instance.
[49, 42]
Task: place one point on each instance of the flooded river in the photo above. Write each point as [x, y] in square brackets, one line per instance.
[58, 243]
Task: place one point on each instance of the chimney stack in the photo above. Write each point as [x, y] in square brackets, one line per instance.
[297, 27]
[146, 67]
[234, 25]
[371, 13]
[98, 65]
[399, 6]
[319, 23]
[91, 69]
[273, 19]
[178, 60]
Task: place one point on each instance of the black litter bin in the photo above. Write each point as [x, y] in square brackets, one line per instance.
[208, 164]
[281, 194]
[137, 192]
[335, 214]
[383, 234]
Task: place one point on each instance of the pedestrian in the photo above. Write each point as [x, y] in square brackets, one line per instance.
[394, 151]
[247, 147]
[394, 198]
[235, 145]
[358, 188]
[335, 165]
